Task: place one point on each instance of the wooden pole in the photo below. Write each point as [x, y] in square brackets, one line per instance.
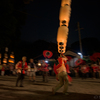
[80, 42]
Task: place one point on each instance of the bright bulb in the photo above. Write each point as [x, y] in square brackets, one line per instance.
[39, 64]
[80, 54]
[46, 61]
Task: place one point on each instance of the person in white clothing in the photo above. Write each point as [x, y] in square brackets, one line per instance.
[32, 70]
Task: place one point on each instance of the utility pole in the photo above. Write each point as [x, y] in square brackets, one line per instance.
[80, 42]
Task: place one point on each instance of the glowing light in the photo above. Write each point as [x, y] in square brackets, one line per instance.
[46, 61]
[39, 64]
[80, 54]
[64, 18]
[4, 60]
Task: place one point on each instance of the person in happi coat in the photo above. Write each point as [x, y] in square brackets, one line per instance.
[61, 75]
[21, 67]
[44, 69]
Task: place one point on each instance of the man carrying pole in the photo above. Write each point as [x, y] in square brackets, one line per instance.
[61, 72]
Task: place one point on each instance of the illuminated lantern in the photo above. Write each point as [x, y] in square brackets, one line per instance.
[62, 38]
[65, 2]
[0, 55]
[11, 56]
[62, 34]
[64, 18]
[4, 60]
[11, 60]
[6, 55]
[64, 15]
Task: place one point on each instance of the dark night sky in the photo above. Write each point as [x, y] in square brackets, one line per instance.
[43, 22]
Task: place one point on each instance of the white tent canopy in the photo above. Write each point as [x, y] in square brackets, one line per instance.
[72, 61]
[72, 54]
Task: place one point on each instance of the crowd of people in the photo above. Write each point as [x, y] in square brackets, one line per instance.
[86, 71]
[7, 69]
[22, 68]
[82, 71]
[62, 71]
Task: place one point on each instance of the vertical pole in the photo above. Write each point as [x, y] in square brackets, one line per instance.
[78, 25]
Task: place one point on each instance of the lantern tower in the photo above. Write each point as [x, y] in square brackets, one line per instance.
[11, 60]
[5, 59]
[63, 30]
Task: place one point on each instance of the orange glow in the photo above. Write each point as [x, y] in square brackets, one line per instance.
[4, 60]
[11, 61]
[64, 18]
[65, 15]
[11, 56]
[62, 37]
[39, 64]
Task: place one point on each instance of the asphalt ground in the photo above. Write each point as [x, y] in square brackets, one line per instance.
[86, 89]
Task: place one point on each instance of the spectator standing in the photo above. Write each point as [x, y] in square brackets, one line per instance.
[3, 70]
[45, 70]
[32, 70]
[11, 68]
[84, 71]
[96, 71]
[50, 70]
[28, 71]
[7, 70]
[88, 70]
[21, 66]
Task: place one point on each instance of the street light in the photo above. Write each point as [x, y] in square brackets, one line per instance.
[80, 54]
[46, 61]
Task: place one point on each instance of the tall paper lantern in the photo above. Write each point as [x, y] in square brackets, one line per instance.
[63, 30]
[61, 36]
[64, 15]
